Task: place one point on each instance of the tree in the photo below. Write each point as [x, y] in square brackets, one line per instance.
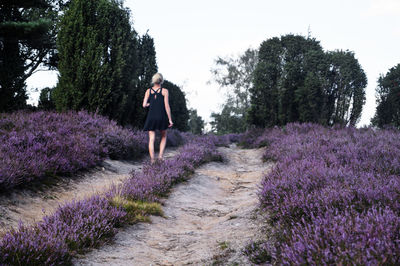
[388, 99]
[196, 123]
[280, 74]
[177, 102]
[347, 82]
[225, 122]
[27, 38]
[46, 99]
[147, 67]
[295, 80]
[97, 59]
[235, 75]
[310, 98]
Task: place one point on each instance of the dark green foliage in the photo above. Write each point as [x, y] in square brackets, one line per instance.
[295, 80]
[388, 99]
[264, 106]
[97, 59]
[196, 123]
[177, 102]
[46, 101]
[309, 98]
[346, 81]
[227, 121]
[27, 37]
[147, 67]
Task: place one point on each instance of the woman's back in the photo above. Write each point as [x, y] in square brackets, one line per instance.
[157, 118]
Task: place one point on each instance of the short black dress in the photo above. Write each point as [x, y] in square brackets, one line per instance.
[157, 118]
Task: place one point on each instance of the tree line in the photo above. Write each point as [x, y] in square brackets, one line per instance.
[104, 65]
[292, 79]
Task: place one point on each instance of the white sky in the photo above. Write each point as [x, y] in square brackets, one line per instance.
[189, 35]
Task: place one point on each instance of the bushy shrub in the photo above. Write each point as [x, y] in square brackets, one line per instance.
[156, 179]
[345, 238]
[234, 137]
[39, 144]
[259, 252]
[330, 184]
[122, 143]
[259, 137]
[73, 227]
[79, 225]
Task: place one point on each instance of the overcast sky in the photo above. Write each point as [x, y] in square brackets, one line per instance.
[190, 35]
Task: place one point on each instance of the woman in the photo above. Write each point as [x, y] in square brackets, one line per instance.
[159, 116]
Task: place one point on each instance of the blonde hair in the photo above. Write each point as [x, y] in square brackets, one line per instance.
[157, 79]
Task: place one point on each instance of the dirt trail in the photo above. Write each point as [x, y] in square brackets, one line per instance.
[208, 220]
[30, 206]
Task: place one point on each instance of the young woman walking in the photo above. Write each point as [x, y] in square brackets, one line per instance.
[159, 116]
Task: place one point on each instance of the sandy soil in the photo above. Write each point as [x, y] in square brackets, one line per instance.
[29, 206]
[208, 220]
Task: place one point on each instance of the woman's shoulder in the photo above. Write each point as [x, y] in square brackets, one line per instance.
[164, 91]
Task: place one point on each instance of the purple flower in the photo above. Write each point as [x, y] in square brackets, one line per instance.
[333, 194]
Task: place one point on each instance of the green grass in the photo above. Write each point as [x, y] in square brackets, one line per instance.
[138, 211]
[223, 245]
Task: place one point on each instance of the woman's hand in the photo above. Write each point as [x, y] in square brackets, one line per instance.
[146, 105]
[170, 123]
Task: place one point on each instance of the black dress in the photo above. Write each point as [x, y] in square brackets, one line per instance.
[157, 118]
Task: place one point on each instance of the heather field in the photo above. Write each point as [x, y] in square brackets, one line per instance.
[332, 196]
[39, 145]
[78, 225]
[326, 195]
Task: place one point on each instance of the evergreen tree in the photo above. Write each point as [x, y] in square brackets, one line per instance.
[310, 96]
[264, 108]
[196, 123]
[388, 99]
[46, 99]
[27, 37]
[347, 82]
[279, 74]
[177, 102]
[97, 59]
[295, 80]
[147, 67]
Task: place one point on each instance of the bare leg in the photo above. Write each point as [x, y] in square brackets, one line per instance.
[152, 136]
[163, 142]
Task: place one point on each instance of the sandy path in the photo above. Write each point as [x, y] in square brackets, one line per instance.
[208, 220]
[30, 206]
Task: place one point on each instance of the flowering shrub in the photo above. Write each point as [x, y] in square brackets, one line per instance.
[72, 227]
[333, 194]
[234, 137]
[122, 143]
[348, 238]
[258, 137]
[175, 138]
[77, 226]
[219, 140]
[259, 251]
[39, 144]
[155, 180]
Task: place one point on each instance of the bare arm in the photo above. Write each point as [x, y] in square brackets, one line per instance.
[167, 108]
[146, 98]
